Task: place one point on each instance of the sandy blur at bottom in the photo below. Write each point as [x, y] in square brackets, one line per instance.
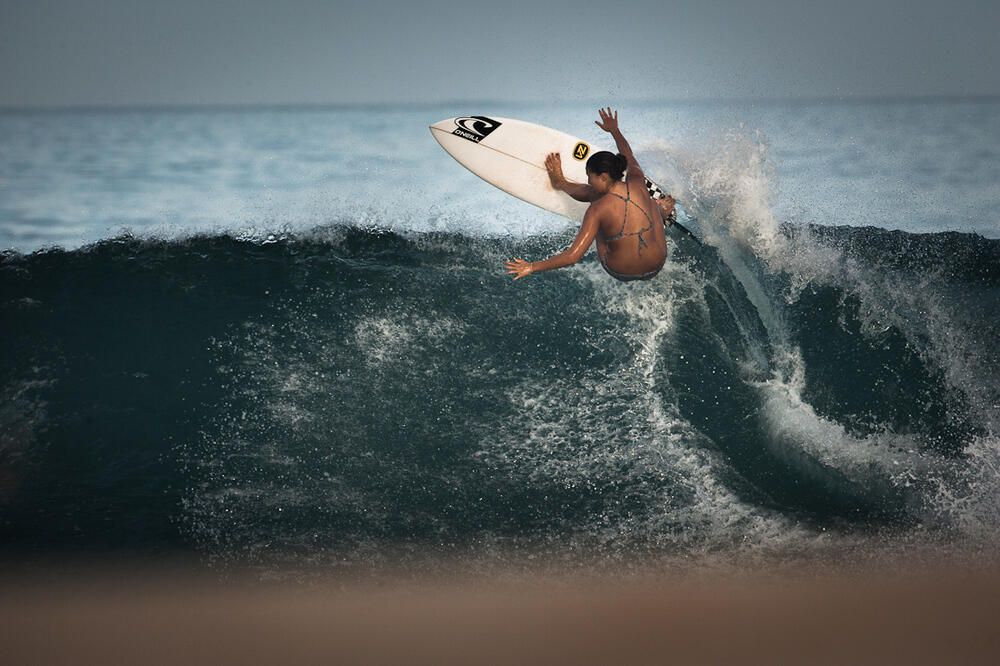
[159, 616]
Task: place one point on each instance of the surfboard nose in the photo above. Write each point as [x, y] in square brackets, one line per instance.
[446, 125]
[442, 129]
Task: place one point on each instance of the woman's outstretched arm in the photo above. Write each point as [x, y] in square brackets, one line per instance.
[588, 231]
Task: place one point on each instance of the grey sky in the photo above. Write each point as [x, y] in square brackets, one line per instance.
[141, 52]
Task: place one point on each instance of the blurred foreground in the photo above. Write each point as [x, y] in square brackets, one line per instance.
[944, 614]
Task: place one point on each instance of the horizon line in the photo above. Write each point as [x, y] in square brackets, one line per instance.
[360, 105]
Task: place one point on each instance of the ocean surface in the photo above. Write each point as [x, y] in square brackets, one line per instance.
[284, 338]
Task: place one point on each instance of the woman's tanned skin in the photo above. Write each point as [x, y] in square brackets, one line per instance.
[603, 221]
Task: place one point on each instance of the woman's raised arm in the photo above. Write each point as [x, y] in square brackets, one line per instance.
[609, 123]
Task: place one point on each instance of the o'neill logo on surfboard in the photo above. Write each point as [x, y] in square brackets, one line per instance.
[475, 128]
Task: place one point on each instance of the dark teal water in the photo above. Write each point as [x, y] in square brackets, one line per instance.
[339, 395]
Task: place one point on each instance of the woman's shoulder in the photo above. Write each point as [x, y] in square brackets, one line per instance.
[635, 175]
[603, 205]
[612, 197]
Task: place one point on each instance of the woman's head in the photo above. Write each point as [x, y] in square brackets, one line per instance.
[607, 162]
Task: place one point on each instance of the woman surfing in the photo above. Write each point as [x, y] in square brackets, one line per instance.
[622, 218]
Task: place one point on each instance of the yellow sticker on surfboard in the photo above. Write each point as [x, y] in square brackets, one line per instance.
[581, 151]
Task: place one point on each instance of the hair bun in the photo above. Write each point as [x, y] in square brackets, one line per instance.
[605, 161]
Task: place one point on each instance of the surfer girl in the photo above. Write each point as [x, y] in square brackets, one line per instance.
[622, 218]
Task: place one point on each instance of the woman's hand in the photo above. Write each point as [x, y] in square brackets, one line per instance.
[608, 123]
[666, 206]
[553, 164]
[519, 268]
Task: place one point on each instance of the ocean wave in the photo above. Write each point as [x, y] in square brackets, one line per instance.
[331, 394]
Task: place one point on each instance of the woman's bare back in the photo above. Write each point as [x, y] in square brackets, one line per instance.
[632, 241]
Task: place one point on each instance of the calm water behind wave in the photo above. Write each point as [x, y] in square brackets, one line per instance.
[70, 178]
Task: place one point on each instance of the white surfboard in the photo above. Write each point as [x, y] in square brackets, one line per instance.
[510, 154]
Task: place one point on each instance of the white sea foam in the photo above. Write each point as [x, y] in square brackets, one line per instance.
[730, 189]
[622, 427]
[394, 336]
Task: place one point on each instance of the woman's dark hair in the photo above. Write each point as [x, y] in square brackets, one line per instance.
[609, 163]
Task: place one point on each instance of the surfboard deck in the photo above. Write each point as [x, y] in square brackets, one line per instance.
[510, 154]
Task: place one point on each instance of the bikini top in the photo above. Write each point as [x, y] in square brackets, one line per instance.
[621, 234]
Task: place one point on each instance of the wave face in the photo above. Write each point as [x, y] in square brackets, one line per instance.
[347, 395]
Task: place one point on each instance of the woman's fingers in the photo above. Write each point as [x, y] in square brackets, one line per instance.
[609, 119]
[518, 268]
